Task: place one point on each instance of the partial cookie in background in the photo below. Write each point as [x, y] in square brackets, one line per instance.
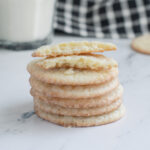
[63, 76]
[142, 44]
[93, 62]
[82, 121]
[75, 92]
[101, 101]
[84, 112]
[73, 48]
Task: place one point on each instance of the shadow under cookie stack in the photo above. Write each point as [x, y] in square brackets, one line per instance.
[71, 86]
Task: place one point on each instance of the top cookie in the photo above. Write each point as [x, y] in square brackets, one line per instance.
[72, 48]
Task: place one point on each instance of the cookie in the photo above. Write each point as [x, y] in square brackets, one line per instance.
[82, 121]
[91, 62]
[63, 76]
[76, 92]
[101, 101]
[142, 44]
[72, 48]
[55, 109]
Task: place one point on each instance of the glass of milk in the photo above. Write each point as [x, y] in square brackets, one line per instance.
[26, 24]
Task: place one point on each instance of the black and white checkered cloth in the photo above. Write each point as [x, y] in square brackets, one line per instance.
[103, 18]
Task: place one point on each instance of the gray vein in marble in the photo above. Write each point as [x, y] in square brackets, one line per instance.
[124, 134]
[130, 56]
[62, 147]
[7, 130]
[138, 125]
[127, 81]
[13, 131]
[132, 73]
[21, 120]
[26, 115]
[129, 59]
[147, 76]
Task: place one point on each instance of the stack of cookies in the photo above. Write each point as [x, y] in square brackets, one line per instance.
[72, 86]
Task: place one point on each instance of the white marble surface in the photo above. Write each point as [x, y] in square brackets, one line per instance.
[21, 129]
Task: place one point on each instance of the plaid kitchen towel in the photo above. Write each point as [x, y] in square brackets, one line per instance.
[103, 18]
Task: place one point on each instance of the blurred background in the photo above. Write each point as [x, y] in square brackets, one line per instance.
[103, 18]
[28, 24]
